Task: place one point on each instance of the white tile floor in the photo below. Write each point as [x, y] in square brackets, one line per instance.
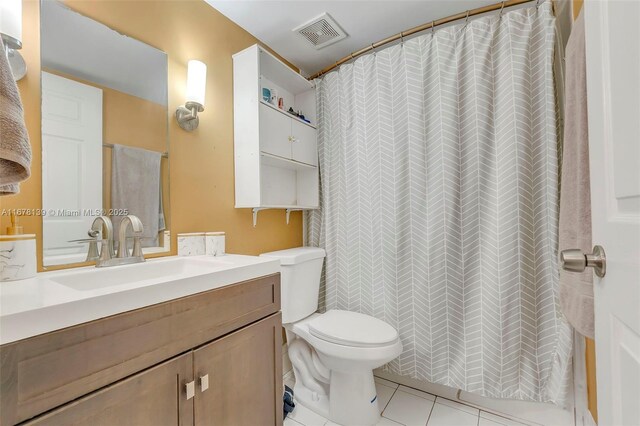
[401, 405]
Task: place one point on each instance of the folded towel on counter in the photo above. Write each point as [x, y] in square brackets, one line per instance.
[15, 150]
[576, 289]
[135, 187]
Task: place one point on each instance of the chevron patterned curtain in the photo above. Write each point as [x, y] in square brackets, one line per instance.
[439, 211]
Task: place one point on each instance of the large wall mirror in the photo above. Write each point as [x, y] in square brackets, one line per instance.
[104, 134]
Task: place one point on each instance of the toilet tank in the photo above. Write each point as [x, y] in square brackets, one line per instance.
[300, 270]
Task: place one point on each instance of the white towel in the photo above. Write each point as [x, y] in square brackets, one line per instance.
[15, 150]
[135, 187]
[576, 289]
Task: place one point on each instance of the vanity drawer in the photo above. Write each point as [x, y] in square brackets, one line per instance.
[45, 371]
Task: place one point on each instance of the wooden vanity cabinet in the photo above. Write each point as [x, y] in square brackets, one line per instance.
[209, 358]
[152, 397]
[244, 374]
[238, 381]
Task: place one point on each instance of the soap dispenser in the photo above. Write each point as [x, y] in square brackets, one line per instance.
[17, 253]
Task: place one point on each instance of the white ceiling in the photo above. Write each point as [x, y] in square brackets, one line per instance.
[366, 22]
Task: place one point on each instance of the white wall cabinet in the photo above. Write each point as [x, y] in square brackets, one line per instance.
[276, 155]
[287, 137]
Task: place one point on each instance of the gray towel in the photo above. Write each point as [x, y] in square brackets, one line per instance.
[135, 186]
[576, 289]
[15, 150]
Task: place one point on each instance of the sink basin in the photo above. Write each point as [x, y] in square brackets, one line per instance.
[140, 273]
[54, 300]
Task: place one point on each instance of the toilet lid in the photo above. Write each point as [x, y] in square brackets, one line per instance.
[352, 329]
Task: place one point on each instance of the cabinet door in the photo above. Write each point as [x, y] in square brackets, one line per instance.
[275, 130]
[154, 397]
[244, 374]
[304, 146]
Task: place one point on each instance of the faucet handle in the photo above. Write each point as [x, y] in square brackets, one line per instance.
[137, 247]
[93, 251]
[105, 250]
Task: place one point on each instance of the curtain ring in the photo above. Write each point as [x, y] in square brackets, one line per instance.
[433, 28]
[501, 9]
[402, 38]
[537, 4]
[373, 48]
[466, 19]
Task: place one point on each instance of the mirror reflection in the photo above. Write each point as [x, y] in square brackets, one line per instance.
[104, 134]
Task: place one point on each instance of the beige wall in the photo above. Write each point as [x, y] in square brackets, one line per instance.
[201, 165]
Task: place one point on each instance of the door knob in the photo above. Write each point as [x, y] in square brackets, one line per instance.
[575, 260]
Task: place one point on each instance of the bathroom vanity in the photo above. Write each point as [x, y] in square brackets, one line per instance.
[173, 341]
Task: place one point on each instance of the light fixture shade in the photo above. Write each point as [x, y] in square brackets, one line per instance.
[196, 81]
[11, 22]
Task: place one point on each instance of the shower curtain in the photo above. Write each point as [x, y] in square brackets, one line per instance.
[439, 203]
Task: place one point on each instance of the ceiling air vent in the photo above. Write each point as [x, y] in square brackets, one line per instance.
[321, 31]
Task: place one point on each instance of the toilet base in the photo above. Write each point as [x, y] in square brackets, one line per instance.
[349, 399]
[353, 399]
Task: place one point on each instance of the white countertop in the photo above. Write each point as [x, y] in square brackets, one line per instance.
[54, 300]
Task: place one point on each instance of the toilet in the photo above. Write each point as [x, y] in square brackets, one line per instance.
[333, 354]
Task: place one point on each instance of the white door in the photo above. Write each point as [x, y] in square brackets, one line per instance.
[303, 145]
[275, 131]
[613, 95]
[71, 165]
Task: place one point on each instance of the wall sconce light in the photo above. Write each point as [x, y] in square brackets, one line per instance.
[187, 115]
[11, 33]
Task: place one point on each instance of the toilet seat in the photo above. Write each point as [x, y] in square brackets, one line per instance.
[352, 329]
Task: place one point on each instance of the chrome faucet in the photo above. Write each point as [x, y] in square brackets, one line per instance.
[106, 257]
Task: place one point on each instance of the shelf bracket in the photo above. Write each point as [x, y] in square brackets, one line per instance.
[255, 215]
[292, 210]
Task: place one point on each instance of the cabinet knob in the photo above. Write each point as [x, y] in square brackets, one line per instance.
[204, 383]
[190, 389]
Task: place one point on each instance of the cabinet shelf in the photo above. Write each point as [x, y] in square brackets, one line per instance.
[293, 117]
[281, 74]
[276, 161]
[293, 207]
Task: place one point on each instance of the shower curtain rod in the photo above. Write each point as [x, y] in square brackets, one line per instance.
[462, 15]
